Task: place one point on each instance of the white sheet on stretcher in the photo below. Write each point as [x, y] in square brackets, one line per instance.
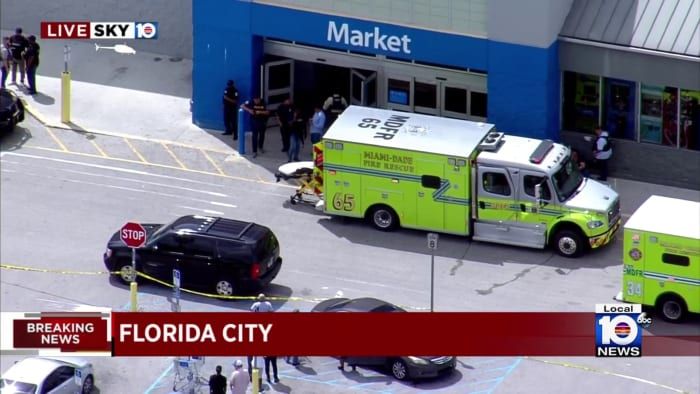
[292, 169]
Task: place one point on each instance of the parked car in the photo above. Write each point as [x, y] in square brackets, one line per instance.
[48, 375]
[216, 254]
[11, 110]
[402, 368]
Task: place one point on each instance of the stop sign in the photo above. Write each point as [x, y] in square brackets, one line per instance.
[133, 235]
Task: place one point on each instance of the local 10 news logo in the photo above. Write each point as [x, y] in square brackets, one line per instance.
[618, 330]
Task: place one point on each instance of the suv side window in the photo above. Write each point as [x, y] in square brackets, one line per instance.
[496, 183]
[57, 378]
[169, 243]
[529, 183]
[199, 246]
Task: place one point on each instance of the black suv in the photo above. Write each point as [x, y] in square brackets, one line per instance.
[214, 254]
[11, 110]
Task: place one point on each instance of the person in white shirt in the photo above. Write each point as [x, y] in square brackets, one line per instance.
[602, 151]
[239, 379]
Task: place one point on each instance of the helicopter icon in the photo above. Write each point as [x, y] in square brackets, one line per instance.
[119, 48]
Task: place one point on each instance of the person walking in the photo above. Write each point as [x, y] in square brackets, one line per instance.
[294, 360]
[5, 56]
[298, 135]
[602, 151]
[260, 305]
[31, 56]
[271, 360]
[230, 101]
[285, 116]
[239, 378]
[258, 110]
[334, 106]
[217, 382]
[318, 122]
[18, 44]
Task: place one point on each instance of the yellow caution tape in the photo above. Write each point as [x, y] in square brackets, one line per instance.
[146, 276]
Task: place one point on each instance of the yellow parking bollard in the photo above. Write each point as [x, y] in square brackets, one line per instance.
[65, 97]
[134, 296]
[256, 380]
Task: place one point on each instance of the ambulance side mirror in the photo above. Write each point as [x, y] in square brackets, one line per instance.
[538, 193]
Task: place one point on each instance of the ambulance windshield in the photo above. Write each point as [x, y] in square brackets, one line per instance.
[567, 179]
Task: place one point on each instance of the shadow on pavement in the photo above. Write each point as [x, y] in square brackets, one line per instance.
[145, 287]
[14, 140]
[463, 248]
[437, 383]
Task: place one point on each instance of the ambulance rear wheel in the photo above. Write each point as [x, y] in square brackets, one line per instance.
[568, 243]
[672, 308]
[383, 218]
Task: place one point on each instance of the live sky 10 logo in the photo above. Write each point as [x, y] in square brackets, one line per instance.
[618, 330]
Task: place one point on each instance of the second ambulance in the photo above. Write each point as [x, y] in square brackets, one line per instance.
[461, 177]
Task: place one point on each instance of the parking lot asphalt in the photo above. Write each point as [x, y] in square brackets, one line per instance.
[64, 192]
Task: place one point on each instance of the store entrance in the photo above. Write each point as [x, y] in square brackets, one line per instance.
[310, 83]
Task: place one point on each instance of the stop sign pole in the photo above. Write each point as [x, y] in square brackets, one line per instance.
[134, 236]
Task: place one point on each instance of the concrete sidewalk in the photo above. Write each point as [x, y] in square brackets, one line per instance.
[142, 95]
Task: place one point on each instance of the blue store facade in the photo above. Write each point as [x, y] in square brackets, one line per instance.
[538, 68]
[514, 86]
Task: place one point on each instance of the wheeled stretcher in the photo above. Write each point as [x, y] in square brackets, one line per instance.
[310, 182]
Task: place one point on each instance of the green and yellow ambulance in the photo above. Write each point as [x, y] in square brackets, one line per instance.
[662, 257]
[461, 177]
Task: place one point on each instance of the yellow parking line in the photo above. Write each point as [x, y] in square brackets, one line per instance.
[173, 155]
[99, 149]
[56, 140]
[212, 162]
[163, 166]
[143, 159]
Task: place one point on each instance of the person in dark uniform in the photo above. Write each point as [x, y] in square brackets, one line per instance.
[231, 109]
[259, 113]
[217, 382]
[18, 44]
[334, 106]
[31, 56]
[285, 114]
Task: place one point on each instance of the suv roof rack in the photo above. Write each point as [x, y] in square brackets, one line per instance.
[229, 228]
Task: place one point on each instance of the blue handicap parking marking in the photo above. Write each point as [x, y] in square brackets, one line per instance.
[473, 375]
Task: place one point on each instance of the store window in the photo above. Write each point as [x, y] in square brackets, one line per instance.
[690, 119]
[581, 101]
[478, 104]
[425, 95]
[619, 108]
[658, 116]
[456, 100]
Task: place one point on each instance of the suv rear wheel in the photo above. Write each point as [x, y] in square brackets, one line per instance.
[127, 274]
[224, 288]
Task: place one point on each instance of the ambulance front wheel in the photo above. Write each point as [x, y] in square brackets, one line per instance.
[568, 243]
[383, 218]
[672, 308]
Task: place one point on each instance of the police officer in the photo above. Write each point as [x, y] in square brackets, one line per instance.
[285, 115]
[231, 109]
[259, 113]
[31, 56]
[18, 44]
[334, 106]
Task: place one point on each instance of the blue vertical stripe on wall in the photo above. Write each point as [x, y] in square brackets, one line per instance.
[224, 48]
[523, 89]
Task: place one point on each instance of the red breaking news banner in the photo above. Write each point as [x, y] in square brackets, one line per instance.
[370, 334]
[68, 332]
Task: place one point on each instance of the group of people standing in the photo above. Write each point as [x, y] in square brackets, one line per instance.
[294, 124]
[19, 53]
